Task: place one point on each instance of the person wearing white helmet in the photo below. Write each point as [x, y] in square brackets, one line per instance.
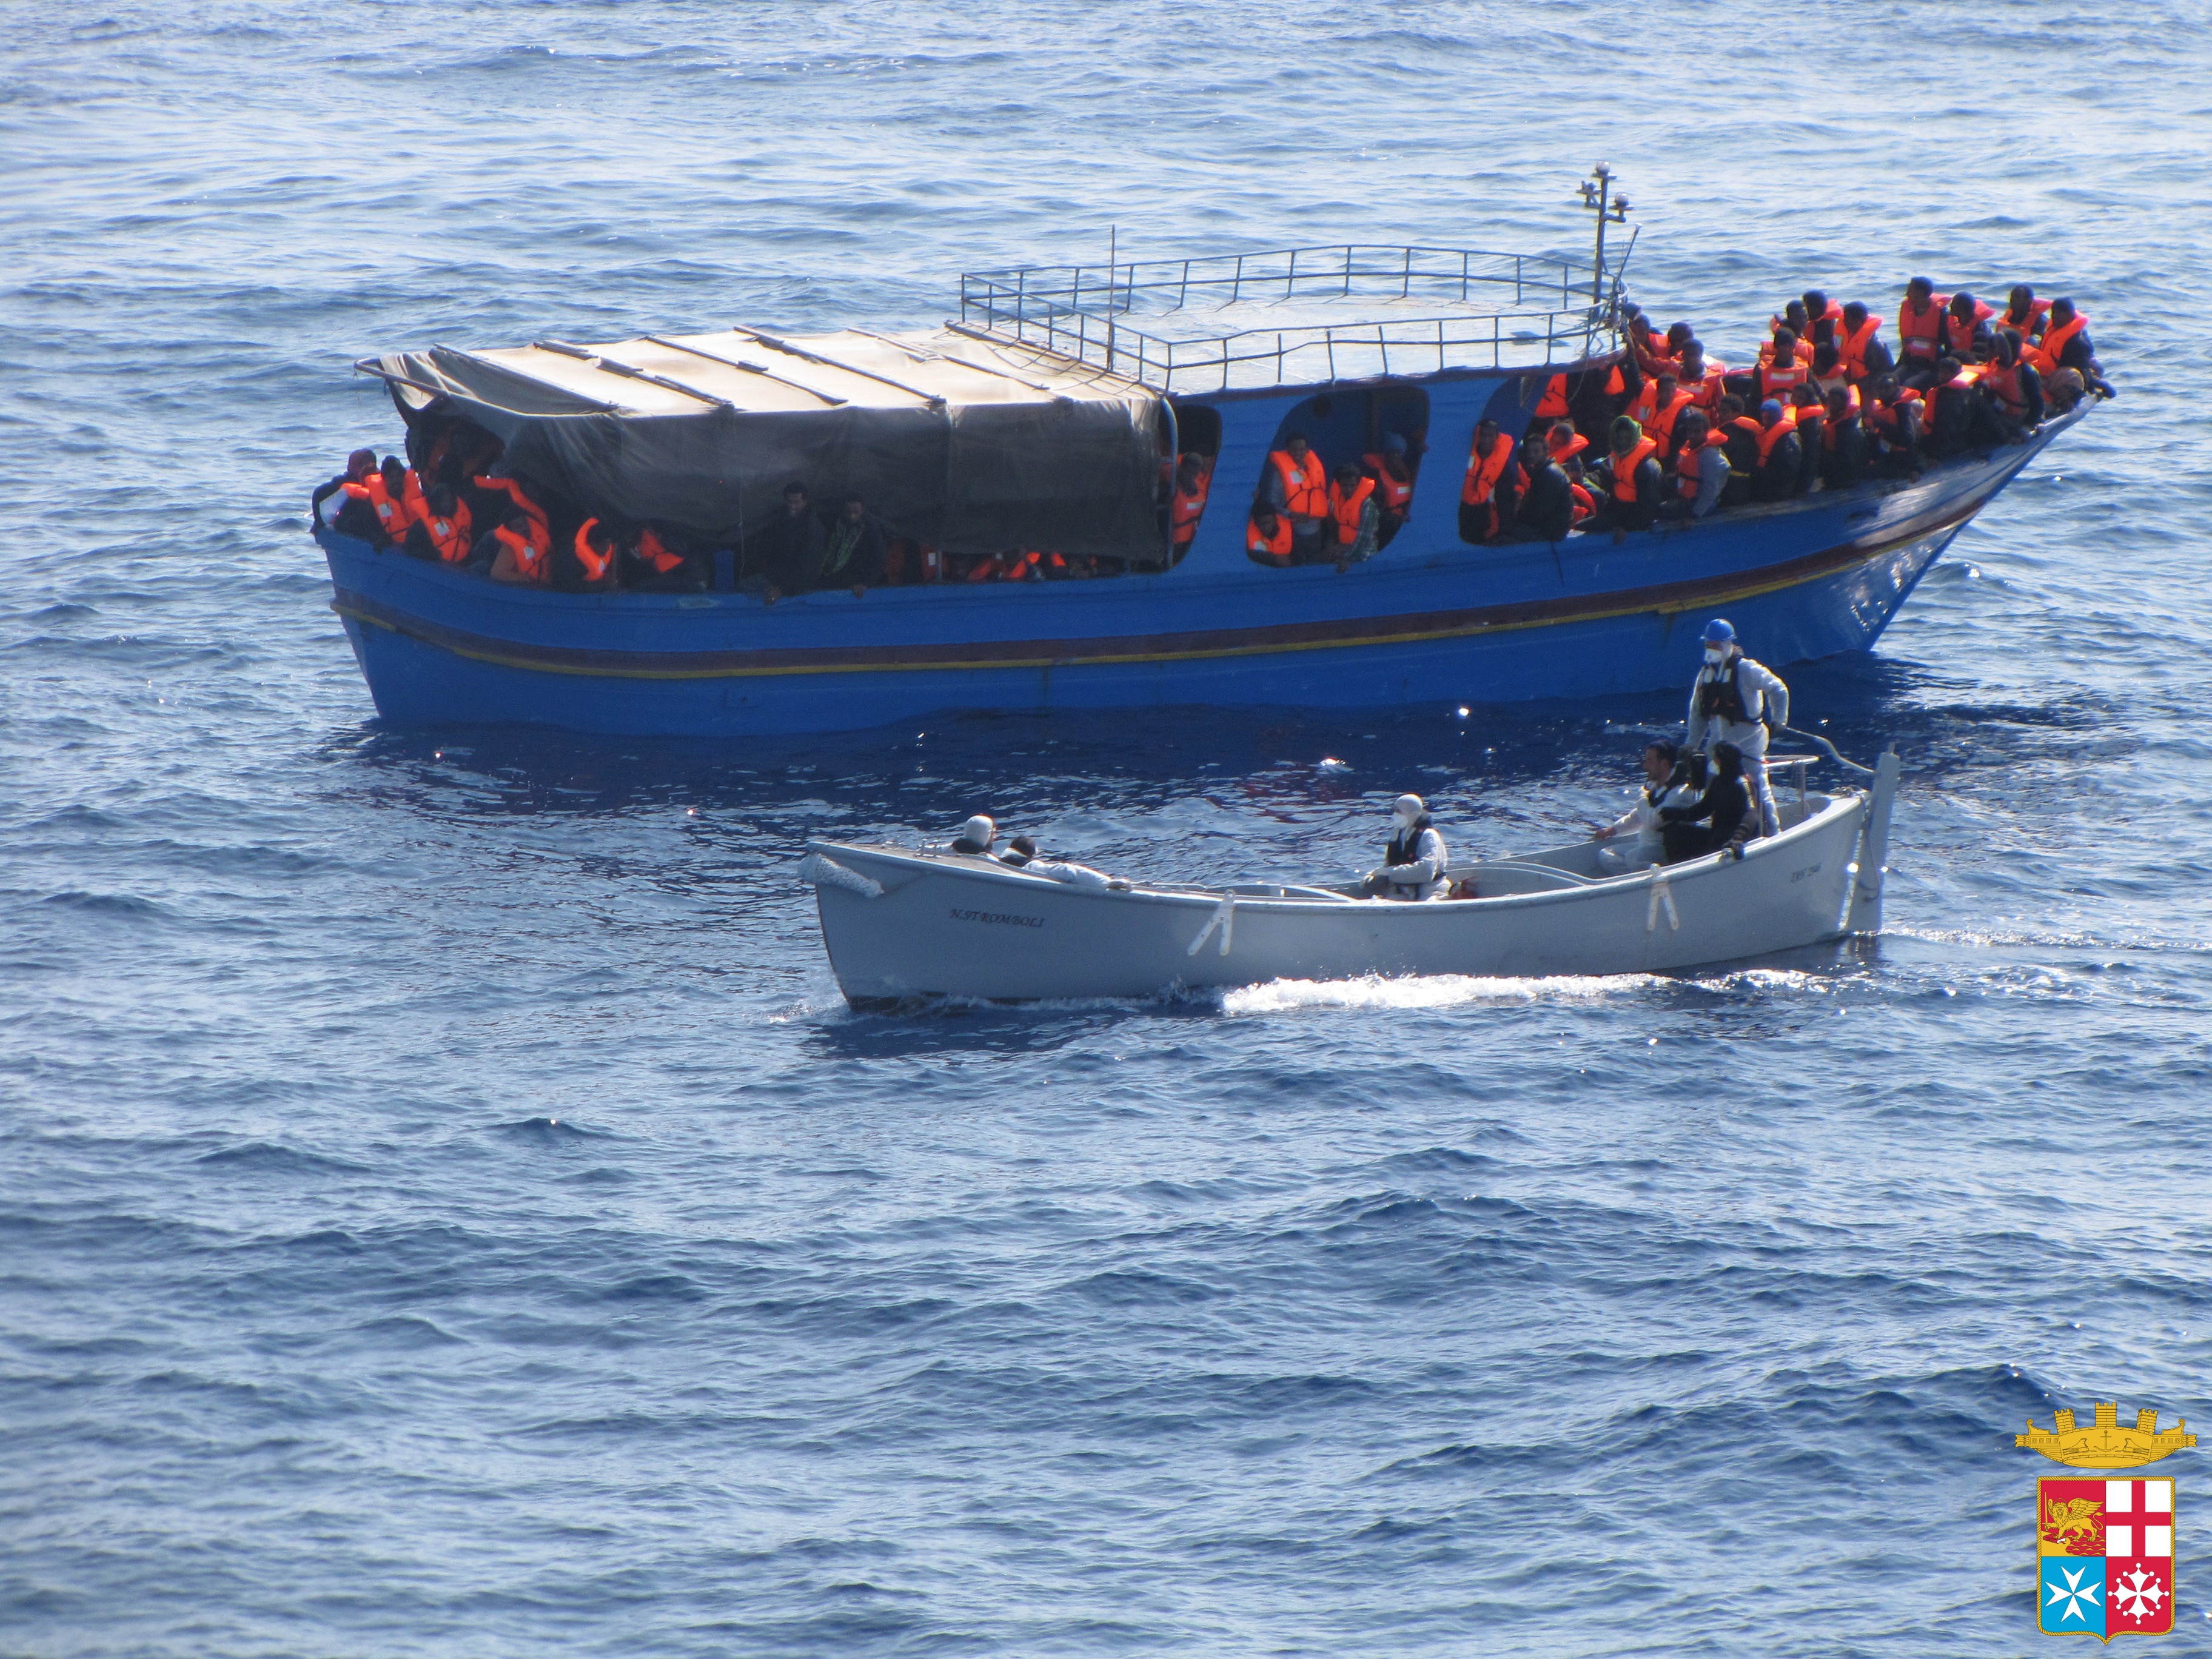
[1413, 865]
[1735, 700]
[976, 836]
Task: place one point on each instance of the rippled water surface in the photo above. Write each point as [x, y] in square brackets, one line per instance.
[445, 1207]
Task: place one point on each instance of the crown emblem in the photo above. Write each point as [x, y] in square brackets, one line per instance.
[2105, 1444]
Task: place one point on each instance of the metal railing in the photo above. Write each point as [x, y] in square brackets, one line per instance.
[1519, 311]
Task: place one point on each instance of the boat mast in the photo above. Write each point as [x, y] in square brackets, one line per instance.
[1600, 198]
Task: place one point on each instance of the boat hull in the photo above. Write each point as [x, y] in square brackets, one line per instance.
[943, 926]
[1432, 621]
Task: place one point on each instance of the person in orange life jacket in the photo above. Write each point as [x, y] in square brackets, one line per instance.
[1548, 508]
[1782, 372]
[1295, 481]
[1579, 491]
[523, 552]
[657, 561]
[1919, 331]
[1487, 496]
[1267, 538]
[1966, 325]
[1563, 442]
[1828, 372]
[2013, 388]
[1781, 459]
[1657, 406]
[2024, 314]
[1192, 482]
[1840, 452]
[1701, 470]
[1795, 318]
[1393, 472]
[1857, 340]
[1958, 420]
[1705, 381]
[586, 564]
[328, 504]
[441, 530]
[1631, 483]
[1551, 404]
[2065, 345]
[1891, 422]
[1739, 436]
[386, 492]
[499, 492]
[1354, 517]
[1810, 412]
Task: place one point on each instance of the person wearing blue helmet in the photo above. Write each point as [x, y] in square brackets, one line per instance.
[1735, 700]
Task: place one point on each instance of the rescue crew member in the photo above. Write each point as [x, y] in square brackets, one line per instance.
[1781, 459]
[1353, 515]
[1297, 488]
[1634, 486]
[523, 552]
[329, 502]
[1919, 331]
[1735, 700]
[1268, 535]
[1721, 819]
[1414, 865]
[976, 837]
[1487, 499]
[1394, 483]
[1193, 481]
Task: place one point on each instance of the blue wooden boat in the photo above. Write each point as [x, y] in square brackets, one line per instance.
[1038, 418]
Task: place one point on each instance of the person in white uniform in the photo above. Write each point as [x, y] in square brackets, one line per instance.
[1735, 700]
[1666, 783]
[1414, 863]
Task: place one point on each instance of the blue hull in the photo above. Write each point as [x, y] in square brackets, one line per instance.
[1430, 621]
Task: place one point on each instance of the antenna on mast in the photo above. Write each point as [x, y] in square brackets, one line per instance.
[1600, 198]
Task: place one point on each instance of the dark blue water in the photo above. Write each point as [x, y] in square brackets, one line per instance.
[445, 1207]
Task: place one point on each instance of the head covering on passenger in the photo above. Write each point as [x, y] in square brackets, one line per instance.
[976, 835]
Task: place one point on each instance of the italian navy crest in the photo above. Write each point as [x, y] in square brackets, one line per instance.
[2104, 1546]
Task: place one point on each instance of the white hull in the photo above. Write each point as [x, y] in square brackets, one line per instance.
[947, 926]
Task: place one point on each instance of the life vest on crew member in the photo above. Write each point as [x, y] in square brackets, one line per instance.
[1483, 471]
[1624, 470]
[1918, 336]
[449, 536]
[1395, 492]
[1720, 698]
[1851, 346]
[1184, 514]
[512, 488]
[1552, 405]
[1305, 490]
[1277, 546]
[2046, 354]
[1345, 509]
[1561, 448]
[391, 514]
[529, 550]
[595, 564]
[656, 552]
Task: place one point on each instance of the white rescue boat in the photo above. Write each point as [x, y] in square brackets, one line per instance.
[904, 926]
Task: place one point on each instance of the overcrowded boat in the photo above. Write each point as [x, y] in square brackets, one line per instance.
[1343, 477]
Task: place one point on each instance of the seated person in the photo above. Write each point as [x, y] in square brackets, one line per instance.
[1809, 410]
[1633, 484]
[1666, 783]
[1704, 379]
[655, 561]
[1723, 819]
[1857, 338]
[852, 553]
[1392, 469]
[1842, 454]
[1193, 480]
[1547, 502]
[1295, 483]
[1563, 442]
[1268, 537]
[1828, 371]
[388, 491]
[1740, 434]
[1354, 517]
[522, 552]
[1781, 459]
[786, 554]
[1958, 420]
[328, 505]
[1701, 469]
[492, 495]
[1782, 371]
[1966, 326]
[1487, 496]
[2011, 388]
[1414, 863]
[1019, 851]
[441, 531]
[2063, 390]
[2065, 345]
[976, 837]
[1891, 424]
[1579, 490]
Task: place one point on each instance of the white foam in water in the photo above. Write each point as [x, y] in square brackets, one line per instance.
[1427, 991]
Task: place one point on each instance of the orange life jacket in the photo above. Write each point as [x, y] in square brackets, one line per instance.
[1851, 346]
[1647, 414]
[1483, 471]
[1305, 492]
[1552, 405]
[1614, 386]
[1959, 338]
[1561, 449]
[595, 562]
[2046, 354]
[1706, 390]
[1689, 465]
[449, 536]
[2039, 313]
[2005, 383]
[1624, 470]
[1770, 435]
[1277, 546]
[1779, 383]
[514, 492]
[656, 552]
[1917, 336]
[1184, 514]
[1585, 504]
[1345, 509]
[392, 515]
[1396, 492]
[529, 551]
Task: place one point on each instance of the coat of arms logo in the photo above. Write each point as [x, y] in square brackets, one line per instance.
[2104, 1547]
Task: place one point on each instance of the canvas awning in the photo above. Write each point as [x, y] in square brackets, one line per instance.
[970, 445]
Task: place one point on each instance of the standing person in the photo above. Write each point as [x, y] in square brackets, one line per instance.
[1414, 863]
[1919, 331]
[1393, 472]
[1487, 499]
[1193, 481]
[1353, 515]
[1735, 700]
[789, 552]
[328, 504]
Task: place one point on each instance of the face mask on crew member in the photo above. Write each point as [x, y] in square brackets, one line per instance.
[1716, 654]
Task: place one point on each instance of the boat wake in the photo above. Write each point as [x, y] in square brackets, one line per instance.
[1430, 991]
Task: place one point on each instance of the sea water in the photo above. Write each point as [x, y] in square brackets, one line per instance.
[445, 1206]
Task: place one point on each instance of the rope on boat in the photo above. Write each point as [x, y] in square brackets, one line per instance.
[1662, 894]
[1224, 918]
[819, 871]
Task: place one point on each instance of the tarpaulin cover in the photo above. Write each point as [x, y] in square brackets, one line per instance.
[971, 446]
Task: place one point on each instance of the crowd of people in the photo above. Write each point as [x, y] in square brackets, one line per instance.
[1672, 434]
